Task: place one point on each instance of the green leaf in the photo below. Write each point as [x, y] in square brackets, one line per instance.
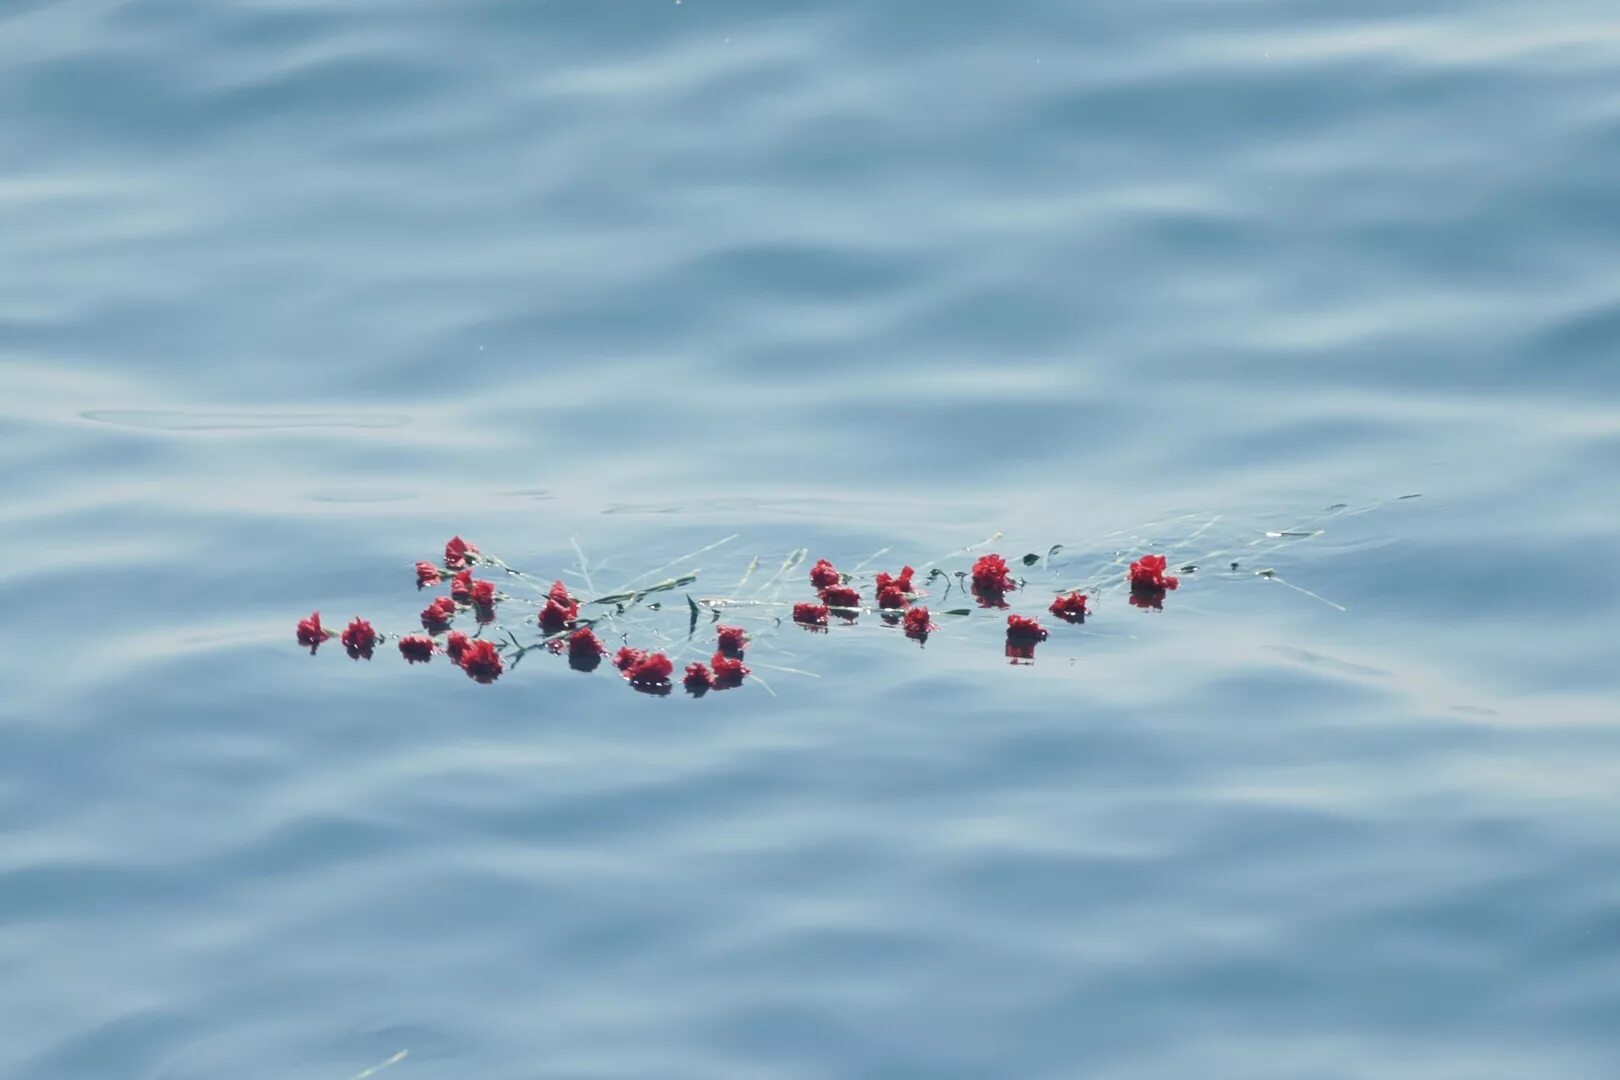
[1055, 549]
[1031, 559]
[958, 611]
[691, 626]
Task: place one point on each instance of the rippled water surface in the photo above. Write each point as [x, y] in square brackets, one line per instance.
[293, 291]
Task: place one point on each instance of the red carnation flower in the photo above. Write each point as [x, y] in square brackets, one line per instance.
[555, 616]
[824, 574]
[437, 615]
[1070, 608]
[650, 673]
[1148, 572]
[627, 658]
[416, 648]
[728, 671]
[585, 650]
[359, 638]
[458, 553]
[991, 579]
[311, 632]
[733, 639]
[812, 615]
[892, 596]
[917, 625]
[903, 583]
[483, 598]
[461, 587]
[482, 661]
[455, 645]
[1020, 628]
[697, 680]
[427, 574]
[841, 596]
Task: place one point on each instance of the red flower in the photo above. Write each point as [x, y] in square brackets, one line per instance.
[455, 645]
[891, 596]
[458, 553]
[311, 632]
[482, 661]
[917, 624]
[585, 650]
[733, 639]
[483, 598]
[1148, 572]
[359, 638]
[627, 658]
[427, 574]
[1070, 608]
[811, 615]
[1020, 628]
[825, 575]
[650, 673]
[437, 615]
[841, 596]
[461, 587]
[903, 583]
[560, 611]
[728, 671]
[991, 578]
[698, 681]
[416, 648]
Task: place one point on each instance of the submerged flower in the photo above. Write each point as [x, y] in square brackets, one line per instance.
[841, 596]
[416, 648]
[1071, 608]
[585, 650]
[560, 611]
[892, 596]
[916, 623]
[461, 587]
[1148, 572]
[824, 574]
[733, 639]
[811, 615]
[1147, 598]
[728, 671]
[437, 615]
[1020, 649]
[627, 658]
[482, 661]
[1020, 628]
[697, 680]
[458, 553]
[359, 638]
[311, 632]
[991, 577]
[427, 574]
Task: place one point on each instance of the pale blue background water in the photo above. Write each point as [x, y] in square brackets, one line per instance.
[293, 290]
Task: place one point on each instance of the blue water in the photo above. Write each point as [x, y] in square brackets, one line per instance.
[295, 290]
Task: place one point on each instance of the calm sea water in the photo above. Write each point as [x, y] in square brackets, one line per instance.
[294, 290]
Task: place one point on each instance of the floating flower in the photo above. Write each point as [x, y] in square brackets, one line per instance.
[892, 596]
[841, 596]
[811, 615]
[728, 671]
[458, 553]
[916, 623]
[698, 681]
[416, 648]
[824, 574]
[560, 611]
[483, 599]
[437, 615]
[427, 574]
[991, 578]
[650, 673]
[359, 638]
[461, 587]
[585, 649]
[311, 632]
[1071, 608]
[733, 639]
[481, 660]
[455, 645]
[1020, 628]
[1148, 572]
[627, 658]
[903, 583]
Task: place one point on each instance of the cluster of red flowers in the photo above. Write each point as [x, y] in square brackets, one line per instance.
[650, 671]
